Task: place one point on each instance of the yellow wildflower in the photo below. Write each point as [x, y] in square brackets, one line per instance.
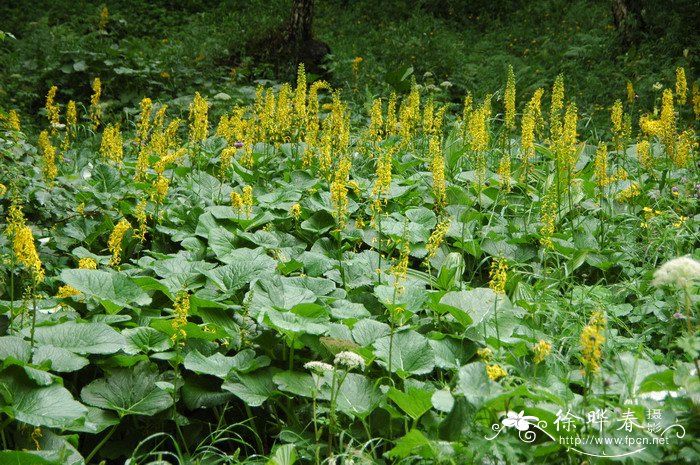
[115, 241]
[142, 219]
[601, 166]
[681, 86]
[300, 98]
[52, 110]
[684, 148]
[400, 267]
[498, 275]
[181, 308]
[644, 155]
[495, 372]
[112, 146]
[504, 172]
[13, 121]
[668, 121]
[3, 189]
[339, 192]
[630, 93]
[248, 200]
[160, 189]
[437, 168]
[548, 216]
[95, 108]
[71, 118]
[485, 353]
[48, 155]
[104, 18]
[26, 254]
[628, 193]
[87, 263]
[555, 123]
[356, 66]
[295, 211]
[237, 201]
[66, 291]
[227, 155]
[696, 100]
[509, 98]
[435, 240]
[592, 340]
[391, 121]
[199, 124]
[144, 123]
[376, 124]
[542, 349]
[478, 129]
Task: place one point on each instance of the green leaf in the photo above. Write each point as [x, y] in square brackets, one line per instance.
[319, 223]
[415, 402]
[252, 388]
[128, 391]
[15, 347]
[52, 406]
[8, 457]
[144, 339]
[284, 455]
[407, 445]
[358, 396]
[245, 266]
[365, 332]
[198, 392]
[300, 384]
[411, 353]
[220, 366]
[114, 290]
[62, 360]
[81, 338]
[474, 384]
[275, 292]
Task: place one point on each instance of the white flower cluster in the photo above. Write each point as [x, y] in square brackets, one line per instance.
[318, 367]
[679, 272]
[349, 360]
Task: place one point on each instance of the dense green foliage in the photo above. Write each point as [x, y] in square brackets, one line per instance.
[402, 271]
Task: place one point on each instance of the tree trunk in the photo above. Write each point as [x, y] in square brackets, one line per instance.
[301, 22]
[627, 16]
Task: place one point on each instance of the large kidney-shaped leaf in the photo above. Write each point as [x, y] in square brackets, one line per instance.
[358, 396]
[277, 293]
[81, 338]
[52, 406]
[252, 388]
[411, 353]
[244, 267]
[114, 290]
[128, 391]
[62, 360]
[145, 339]
[14, 347]
[219, 365]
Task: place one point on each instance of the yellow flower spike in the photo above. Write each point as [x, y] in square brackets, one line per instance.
[555, 123]
[391, 121]
[376, 125]
[437, 168]
[668, 122]
[300, 98]
[696, 100]
[681, 86]
[66, 291]
[199, 123]
[26, 254]
[499, 275]
[112, 145]
[48, 155]
[592, 340]
[160, 189]
[142, 219]
[601, 166]
[295, 211]
[339, 192]
[485, 353]
[87, 263]
[631, 95]
[52, 110]
[496, 372]
[13, 122]
[435, 240]
[509, 98]
[115, 241]
[247, 200]
[144, 122]
[181, 308]
[3, 189]
[95, 108]
[548, 217]
[542, 350]
[104, 18]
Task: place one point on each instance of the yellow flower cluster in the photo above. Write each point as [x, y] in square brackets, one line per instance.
[52, 110]
[592, 340]
[684, 148]
[71, 123]
[600, 171]
[115, 241]
[400, 267]
[504, 172]
[104, 18]
[247, 201]
[391, 121]
[437, 168]
[628, 193]
[495, 372]
[498, 275]
[509, 98]
[112, 145]
[87, 263]
[548, 216]
[696, 100]
[681, 86]
[555, 123]
[25, 252]
[485, 353]
[376, 125]
[295, 211]
[48, 155]
[668, 121]
[95, 108]
[409, 114]
[199, 123]
[181, 309]
[66, 291]
[382, 182]
[142, 220]
[435, 240]
[622, 127]
[478, 129]
[144, 122]
[631, 94]
[13, 122]
[644, 154]
[542, 350]
[300, 98]
[339, 192]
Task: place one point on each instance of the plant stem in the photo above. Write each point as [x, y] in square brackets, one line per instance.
[101, 443]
